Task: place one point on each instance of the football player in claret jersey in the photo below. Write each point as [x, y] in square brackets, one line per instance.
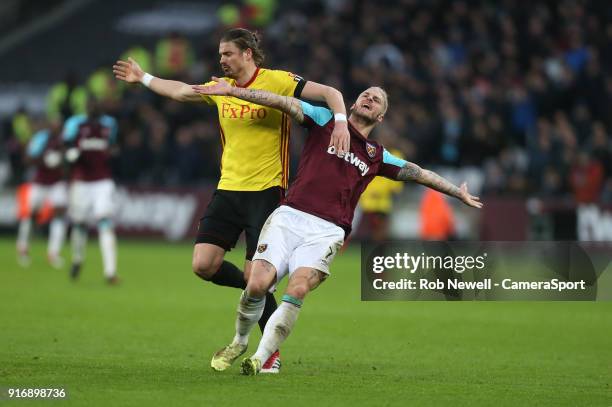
[255, 160]
[302, 236]
[45, 153]
[89, 139]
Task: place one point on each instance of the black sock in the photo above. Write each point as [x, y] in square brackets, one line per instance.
[268, 310]
[229, 275]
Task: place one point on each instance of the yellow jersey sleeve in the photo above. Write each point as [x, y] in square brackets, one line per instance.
[285, 83]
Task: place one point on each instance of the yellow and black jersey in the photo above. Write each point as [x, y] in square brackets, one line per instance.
[255, 138]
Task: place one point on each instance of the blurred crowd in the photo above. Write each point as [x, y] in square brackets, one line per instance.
[520, 91]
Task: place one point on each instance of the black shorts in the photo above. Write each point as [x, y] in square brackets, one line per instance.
[231, 212]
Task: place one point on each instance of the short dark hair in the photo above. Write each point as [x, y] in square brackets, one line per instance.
[244, 39]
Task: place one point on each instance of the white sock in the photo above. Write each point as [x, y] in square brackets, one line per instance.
[79, 241]
[23, 235]
[249, 312]
[108, 247]
[57, 234]
[277, 329]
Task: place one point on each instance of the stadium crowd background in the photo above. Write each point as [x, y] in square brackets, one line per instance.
[519, 91]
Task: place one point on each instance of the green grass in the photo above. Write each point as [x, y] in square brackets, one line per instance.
[149, 341]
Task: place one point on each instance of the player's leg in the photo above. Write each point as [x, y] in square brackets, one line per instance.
[268, 266]
[27, 197]
[250, 307]
[259, 208]
[108, 247]
[280, 324]
[23, 241]
[103, 211]
[57, 228]
[218, 232]
[78, 208]
[310, 260]
[57, 235]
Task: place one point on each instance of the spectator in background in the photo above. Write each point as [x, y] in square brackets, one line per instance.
[102, 86]
[471, 81]
[133, 162]
[586, 178]
[173, 56]
[66, 98]
[187, 156]
[436, 215]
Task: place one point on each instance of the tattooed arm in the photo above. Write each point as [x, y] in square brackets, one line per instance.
[412, 172]
[286, 104]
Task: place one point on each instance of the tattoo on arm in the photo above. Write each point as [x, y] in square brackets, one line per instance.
[412, 172]
[286, 104]
[409, 172]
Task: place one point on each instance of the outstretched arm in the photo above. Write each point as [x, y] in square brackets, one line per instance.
[286, 104]
[129, 71]
[412, 172]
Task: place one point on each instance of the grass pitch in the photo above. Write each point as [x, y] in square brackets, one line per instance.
[149, 341]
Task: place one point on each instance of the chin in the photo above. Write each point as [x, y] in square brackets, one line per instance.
[366, 115]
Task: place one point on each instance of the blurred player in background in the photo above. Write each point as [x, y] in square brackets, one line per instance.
[255, 161]
[48, 185]
[89, 140]
[376, 204]
[302, 236]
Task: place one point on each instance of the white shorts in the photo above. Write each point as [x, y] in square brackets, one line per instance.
[291, 239]
[56, 194]
[91, 200]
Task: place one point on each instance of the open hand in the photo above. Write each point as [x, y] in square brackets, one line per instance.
[467, 198]
[220, 88]
[128, 71]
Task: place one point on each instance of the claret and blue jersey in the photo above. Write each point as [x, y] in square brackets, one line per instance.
[329, 186]
[93, 138]
[45, 143]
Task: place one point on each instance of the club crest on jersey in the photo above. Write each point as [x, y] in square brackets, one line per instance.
[371, 150]
[262, 248]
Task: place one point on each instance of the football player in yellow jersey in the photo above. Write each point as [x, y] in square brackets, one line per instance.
[254, 163]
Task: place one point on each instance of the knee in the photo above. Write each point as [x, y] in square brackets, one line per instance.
[298, 291]
[205, 267]
[256, 287]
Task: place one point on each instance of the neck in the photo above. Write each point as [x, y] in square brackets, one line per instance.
[364, 127]
[246, 75]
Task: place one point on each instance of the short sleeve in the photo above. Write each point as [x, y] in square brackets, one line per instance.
[315, 115]
[287, 83]
[111, 123]
[71, 127]
[391, 165]
[38, 143]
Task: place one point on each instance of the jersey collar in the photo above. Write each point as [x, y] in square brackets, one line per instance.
[250, 81]
[354, 130]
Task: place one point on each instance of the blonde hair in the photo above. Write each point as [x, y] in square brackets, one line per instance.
[385, 98]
